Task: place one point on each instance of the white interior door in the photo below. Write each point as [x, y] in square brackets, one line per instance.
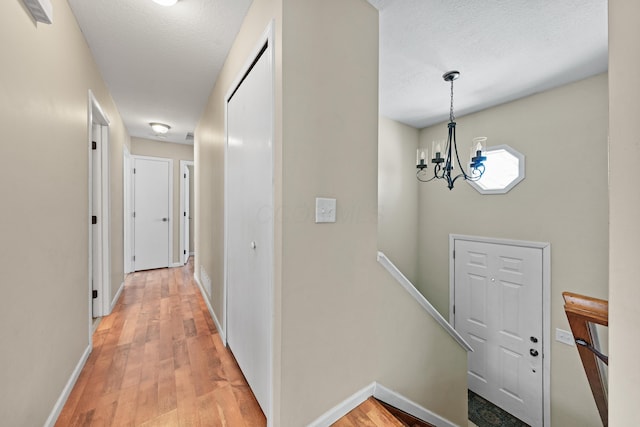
[498, 310]
[185, 215]
[249, 222]
[152, 184]
[96, 229]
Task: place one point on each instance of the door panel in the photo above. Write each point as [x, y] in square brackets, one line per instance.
[151, 207]
[250, 226]
[498, 308]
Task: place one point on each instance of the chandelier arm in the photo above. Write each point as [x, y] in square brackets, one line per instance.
[425, 180]
[455, 144]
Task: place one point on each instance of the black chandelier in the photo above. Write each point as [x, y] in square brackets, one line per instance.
[444, 165]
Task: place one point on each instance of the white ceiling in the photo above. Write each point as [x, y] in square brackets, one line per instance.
[161, 63]
[504, 49]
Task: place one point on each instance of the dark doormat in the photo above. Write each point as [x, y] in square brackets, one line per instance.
[485, 414]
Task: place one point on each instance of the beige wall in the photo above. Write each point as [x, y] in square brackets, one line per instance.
[340, 320]
[177, 152]
[624, 292]
[563, 134]
[398, 195]
[45, 76]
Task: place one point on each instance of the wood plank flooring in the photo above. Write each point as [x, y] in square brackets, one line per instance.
[158, 360]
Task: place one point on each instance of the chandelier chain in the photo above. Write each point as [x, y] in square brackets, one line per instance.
[452, 117]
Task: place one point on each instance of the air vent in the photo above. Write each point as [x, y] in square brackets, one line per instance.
[41, 10]
[189, 136]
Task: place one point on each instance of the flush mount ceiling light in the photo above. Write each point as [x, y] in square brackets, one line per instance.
[160, 128]
[445, 161]
[166, 2]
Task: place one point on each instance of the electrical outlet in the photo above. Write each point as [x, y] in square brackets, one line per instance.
[564, 337]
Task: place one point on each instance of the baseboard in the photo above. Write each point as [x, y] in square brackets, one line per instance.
[410, 407]
[221, 331]
[385, 395]
[57, 408]
[192, 253]
[343, 408]
[176, 264]
[117, 297]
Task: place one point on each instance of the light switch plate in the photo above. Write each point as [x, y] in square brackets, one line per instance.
[564, 337]
[325, 210]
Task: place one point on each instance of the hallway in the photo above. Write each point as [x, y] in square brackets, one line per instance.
[158, 360]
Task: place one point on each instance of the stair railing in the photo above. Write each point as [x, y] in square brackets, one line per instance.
[584, 313]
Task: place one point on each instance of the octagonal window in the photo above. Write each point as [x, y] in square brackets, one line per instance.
[504, 169]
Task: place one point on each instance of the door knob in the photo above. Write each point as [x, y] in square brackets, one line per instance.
[533, 352]
[534, 339]
[253, 245]
[165, 219]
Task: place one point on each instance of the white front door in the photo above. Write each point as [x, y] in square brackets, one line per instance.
[249, 221]
[498, 310]
[152, 181]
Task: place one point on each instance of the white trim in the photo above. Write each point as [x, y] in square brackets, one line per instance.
[62, 399]
[116, 297]
[344, 407]
[192, 253]
[170, 262]
[424, 303]
[176, 264]
[521, 171]
[385, 395]
[183, 167]
[546, 305]
[223, 335]
[267, 38]
[410, 407]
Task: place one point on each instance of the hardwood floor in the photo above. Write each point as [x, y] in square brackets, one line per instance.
[371, 414]
[158, 360]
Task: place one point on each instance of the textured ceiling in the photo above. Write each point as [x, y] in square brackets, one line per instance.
[160, 63]
[504, 50]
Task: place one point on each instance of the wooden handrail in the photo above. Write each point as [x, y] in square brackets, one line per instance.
[583, 312]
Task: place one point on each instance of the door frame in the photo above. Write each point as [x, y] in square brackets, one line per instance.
[266, 39]
[134, 157]
[97, 116]
[546, 304]
[184, 192]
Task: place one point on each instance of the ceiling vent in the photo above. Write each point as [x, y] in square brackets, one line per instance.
[189, 136]
[41, 10]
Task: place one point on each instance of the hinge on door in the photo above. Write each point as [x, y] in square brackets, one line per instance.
[185, 252]
[94, 219]
[185, 175]
[454, 254]
[134, 170]
[454, 310]
[134, 214]
[94, 145]
[94, 294]
[185, 214]
[134, 257]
